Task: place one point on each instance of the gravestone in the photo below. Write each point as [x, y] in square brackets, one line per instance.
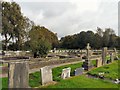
[98, 62]
[65, 73]
[87, 64]
[78, 71]
[18, 75]
[104, 54]
[116, 54]
[111, 57]
[46, 75]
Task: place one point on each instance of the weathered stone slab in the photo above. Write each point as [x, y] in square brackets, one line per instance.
[111, 57]
[78, 71]
[65, 73]
[18, 75]
[46, 75]
[104, 54]
[116, 57]
[98, 62]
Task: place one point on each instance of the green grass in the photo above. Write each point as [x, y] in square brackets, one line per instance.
[108, 57]
[0, 64]
[111, 70]
[35, 79]
[83, 82]
[119, 55]
[74, 82]
[4, 82]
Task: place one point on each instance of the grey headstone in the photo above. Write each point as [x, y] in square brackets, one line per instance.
[98, 62]
[18, 75]
[116, 54]
[65, 73]
[104, 54]
[46, 75]
[79, 71]
[111, 57]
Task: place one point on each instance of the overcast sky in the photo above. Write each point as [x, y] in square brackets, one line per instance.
[67, 17]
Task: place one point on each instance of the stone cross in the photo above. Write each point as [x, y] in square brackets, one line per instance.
[18, 75]
[87, 63]
[88, 50]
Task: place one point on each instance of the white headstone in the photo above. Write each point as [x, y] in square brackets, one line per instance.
[46, 75]
[65, 73]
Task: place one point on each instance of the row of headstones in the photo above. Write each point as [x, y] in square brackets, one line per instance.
[18, 74]
[46, 72]
[14, 53]
[101, 61]
[62, 51]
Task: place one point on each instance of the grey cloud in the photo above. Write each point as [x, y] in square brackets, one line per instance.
[64, 18]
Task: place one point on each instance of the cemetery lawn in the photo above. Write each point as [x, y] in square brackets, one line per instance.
[110, 71]
[73, 82]
[35, 80]
[83, 82]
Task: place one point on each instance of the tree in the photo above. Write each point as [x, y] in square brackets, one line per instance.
[40, 48]
[99, 31]
[118, 42]
[112, 41]
[82, 39]
[41, 40]
[13, 23]
[90, 38]
[97, 41]
[106, 37]
[7, 26]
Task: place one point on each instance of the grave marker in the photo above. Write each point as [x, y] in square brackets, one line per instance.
[78, 71]
[65, 73]
[111, 57]
[116, 54]
[104, 54]
[18, 75]
[98, 62]
[46, 75]
[87, 63]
